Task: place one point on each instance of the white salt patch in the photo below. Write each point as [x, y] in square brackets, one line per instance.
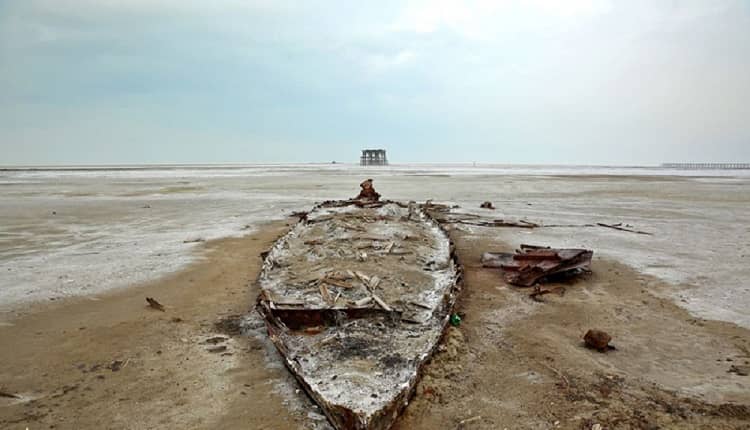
[102, 237]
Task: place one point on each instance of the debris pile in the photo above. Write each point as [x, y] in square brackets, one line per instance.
[533, 264]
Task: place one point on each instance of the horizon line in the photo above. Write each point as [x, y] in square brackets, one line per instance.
[134, 166]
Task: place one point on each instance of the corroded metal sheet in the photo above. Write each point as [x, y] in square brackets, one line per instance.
[533, 264]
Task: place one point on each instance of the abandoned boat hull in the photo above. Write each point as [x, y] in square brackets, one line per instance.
[356, 298]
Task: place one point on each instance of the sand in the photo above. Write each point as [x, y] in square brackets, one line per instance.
[517, 363]
[56, 357]
[513, 362]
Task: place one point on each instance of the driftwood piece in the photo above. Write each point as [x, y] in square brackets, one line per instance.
[336, 283]
[621, 228]
[154, 304]
[499, 223]
[468, 420]
[381, 303]
[325, 294]
[8, 395]
[362, 302]
[389, 247]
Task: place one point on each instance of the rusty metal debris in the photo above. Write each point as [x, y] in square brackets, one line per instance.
[539, 292]
[368, 191]
[533, 264]
[598, 340]
[154, 304]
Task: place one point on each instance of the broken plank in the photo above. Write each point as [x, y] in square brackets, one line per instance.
[381, 303]
[617, 227]
[362, 302]
[325, 294]
[155, 304]
[336, 283]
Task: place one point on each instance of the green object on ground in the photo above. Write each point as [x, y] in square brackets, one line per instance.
[455, 320]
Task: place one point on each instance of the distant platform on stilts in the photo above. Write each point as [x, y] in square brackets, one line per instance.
[716, 166]
[373, 157]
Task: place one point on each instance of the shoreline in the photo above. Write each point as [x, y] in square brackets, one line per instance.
[513, 362]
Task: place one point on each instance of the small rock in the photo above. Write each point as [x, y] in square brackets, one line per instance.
[216, 339]
[598, 340]
[216, 349]
[739, 369]
[487, 205]
[596, 427]
[115, 365]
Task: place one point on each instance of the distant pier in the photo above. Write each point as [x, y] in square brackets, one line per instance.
[715, 166]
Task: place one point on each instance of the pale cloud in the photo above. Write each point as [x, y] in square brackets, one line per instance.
[485, 19]
[385, 62]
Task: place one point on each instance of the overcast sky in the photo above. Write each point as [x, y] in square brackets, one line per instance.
[541, 81]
